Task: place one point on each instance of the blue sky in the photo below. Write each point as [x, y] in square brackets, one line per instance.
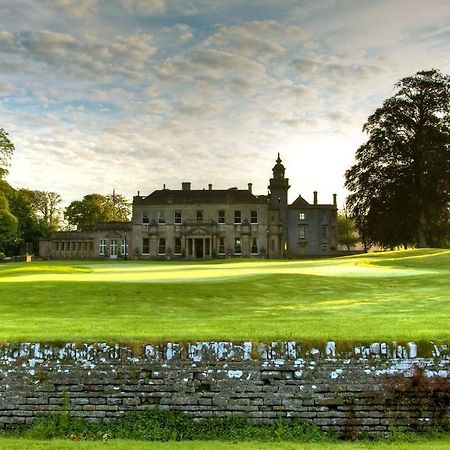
[134, 94]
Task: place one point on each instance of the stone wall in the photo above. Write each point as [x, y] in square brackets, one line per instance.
[348, 392]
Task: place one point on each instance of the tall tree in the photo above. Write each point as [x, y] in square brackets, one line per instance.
[400, 191]
[6, 151]
[45, 206]
[95, 208]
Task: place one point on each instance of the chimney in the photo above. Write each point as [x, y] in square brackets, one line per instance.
[185, 186]
[138, 194]
[209, 187]
[315, 197]
[250, 186]
[334, 200]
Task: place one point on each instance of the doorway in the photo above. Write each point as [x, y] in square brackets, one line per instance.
[198, 248]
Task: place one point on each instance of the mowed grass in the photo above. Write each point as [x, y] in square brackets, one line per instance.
[402, 296]
[417, 444]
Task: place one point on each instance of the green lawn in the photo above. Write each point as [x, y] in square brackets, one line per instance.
[416, 444]
[402, 295]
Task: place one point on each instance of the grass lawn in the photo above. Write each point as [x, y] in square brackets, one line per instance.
[416, 444]
[402, 295]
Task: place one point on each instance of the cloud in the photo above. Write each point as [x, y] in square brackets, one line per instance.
[263, 39]
[186, 32]
[147, 7]
[75, 8]
[85, 56]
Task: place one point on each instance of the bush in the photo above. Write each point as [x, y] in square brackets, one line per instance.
[158, 425]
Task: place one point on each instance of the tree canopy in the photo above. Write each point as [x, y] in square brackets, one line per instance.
[93, 208]
[400, 184]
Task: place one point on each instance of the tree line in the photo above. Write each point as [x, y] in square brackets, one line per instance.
[28, 215]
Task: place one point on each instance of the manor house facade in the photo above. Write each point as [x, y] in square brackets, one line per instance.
[208, 223]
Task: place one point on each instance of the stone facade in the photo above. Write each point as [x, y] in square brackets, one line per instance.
[209, 223]
[347, 392]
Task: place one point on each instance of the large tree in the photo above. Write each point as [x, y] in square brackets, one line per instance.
[93, 208]
[399, 186]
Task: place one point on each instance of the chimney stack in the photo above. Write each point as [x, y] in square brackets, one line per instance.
[334, 200]
[210, 187]
[250, 187]
[315, 197]
[185, 186]
[138, 194]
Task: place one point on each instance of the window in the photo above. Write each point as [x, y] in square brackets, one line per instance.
[254, 217]
[145, 246]
[101, 247]
[221, 246]
[74, 246]
[324, 248]
[237, 217]
[177, 218]
[145, 218]
[85, 246]
[301, 216]
[91, 246]
[237, 246]
[221, 218]
[325, 232]
[161, 217]
[199, 215]
[79, 246]
[302, 232]
[254, 247]
[124, 247]
[113, 248]
[57, 246]
[161, 246]
[177, 246]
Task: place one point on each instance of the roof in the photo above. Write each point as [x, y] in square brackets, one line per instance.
[301, 203]
[112, 226]
[198, 197]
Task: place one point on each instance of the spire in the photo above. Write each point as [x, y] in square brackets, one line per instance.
[278, 169]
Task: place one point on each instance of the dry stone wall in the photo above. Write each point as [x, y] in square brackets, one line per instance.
[348, 392]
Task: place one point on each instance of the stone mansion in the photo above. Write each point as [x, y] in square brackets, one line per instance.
[208, 223]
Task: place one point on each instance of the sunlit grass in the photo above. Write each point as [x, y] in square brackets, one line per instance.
[419, 443]
[391, 296]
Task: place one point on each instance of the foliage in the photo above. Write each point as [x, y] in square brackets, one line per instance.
[400, 192]
[6, 151]
[44, 207]
[8, 224]
[347, 233]
[402, 295]
[158, 425]
[432, 391]
[93, 208]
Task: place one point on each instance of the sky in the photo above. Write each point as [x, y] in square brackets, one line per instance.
[134, 94]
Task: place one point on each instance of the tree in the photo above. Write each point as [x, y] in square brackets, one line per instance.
[400, 183]
[347, 233]
[6, 151]
[93, 208]
[45, 207]
[8, 224]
